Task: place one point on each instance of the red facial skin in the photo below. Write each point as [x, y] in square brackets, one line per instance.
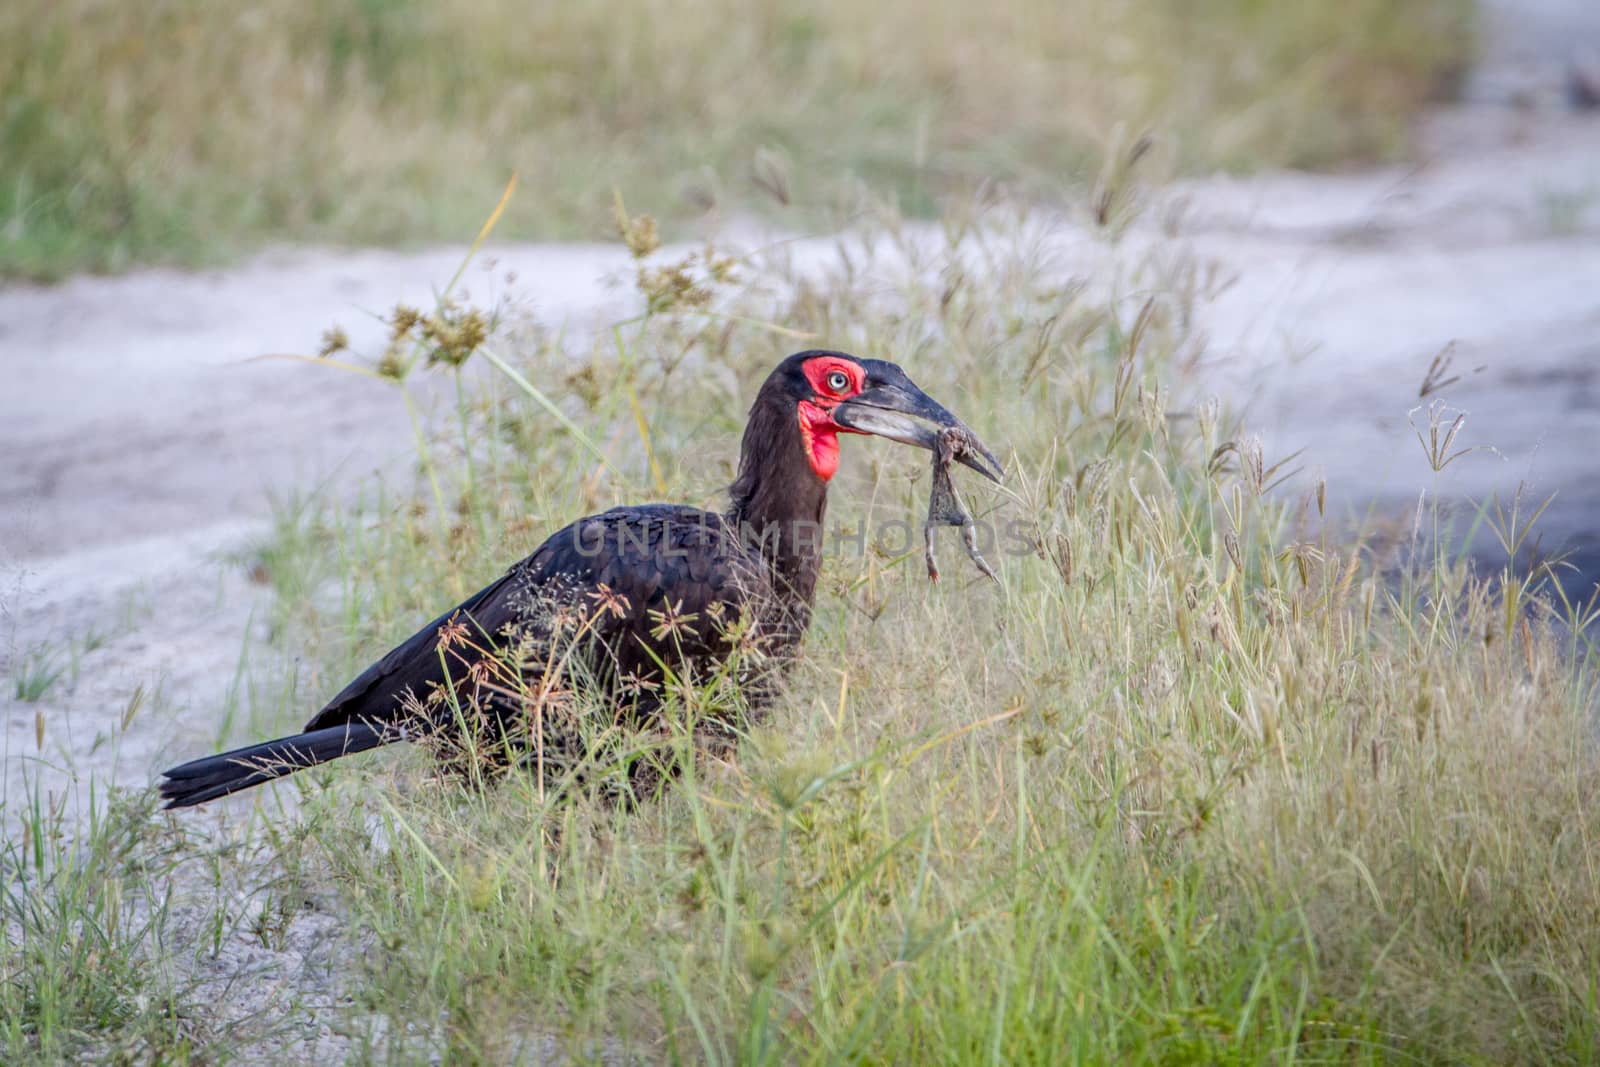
[817, 428]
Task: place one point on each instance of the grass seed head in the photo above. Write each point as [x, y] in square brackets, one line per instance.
[334, 340]
[638, 232]
[403, 320]
[393, 364]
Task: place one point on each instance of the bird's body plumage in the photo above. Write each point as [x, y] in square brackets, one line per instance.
[616, 603]
[622, 575]
[638, 589]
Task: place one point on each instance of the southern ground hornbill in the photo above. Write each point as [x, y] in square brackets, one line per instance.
[617, 603]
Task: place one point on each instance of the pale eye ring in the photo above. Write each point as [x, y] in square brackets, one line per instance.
[838, 381]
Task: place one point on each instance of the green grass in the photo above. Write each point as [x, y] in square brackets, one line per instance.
[1201, 780]
[35, 673]
[82, 919]
[36, 670]
[188, 132]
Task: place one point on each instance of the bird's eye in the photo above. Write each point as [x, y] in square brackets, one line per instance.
[838, 381]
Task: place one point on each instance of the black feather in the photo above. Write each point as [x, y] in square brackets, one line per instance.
[211, 777]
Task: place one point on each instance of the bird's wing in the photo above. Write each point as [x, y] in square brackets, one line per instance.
[660, 581]
[414, 666]
[654, 581]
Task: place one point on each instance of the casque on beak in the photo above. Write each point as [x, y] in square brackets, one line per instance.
[892, 406]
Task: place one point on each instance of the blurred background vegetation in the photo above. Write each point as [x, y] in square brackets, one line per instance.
[187, 132]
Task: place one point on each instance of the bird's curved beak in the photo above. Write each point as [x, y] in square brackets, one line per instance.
[892, 406]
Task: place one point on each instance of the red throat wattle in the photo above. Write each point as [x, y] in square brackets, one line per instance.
[820, 436]
[833, 379]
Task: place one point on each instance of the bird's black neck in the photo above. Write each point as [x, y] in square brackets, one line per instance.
[778, 501]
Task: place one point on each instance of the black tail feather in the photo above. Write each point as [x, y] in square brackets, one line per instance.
[206, 779]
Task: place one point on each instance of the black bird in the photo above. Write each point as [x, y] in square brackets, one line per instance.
[612, 601]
